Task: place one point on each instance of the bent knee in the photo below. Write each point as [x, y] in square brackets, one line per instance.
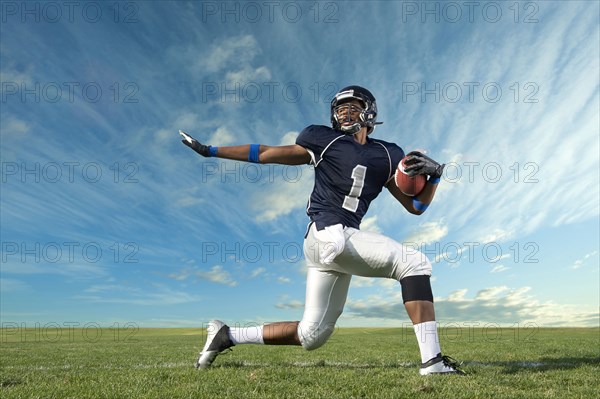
[314, 336]
[413, 264]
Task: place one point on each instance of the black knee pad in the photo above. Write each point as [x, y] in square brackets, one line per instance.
[416, 288]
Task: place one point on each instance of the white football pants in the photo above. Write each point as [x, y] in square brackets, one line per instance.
[333, 256]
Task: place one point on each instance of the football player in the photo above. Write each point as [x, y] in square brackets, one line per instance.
[351, 169]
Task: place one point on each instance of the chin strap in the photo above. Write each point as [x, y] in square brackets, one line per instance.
[355, 128]
[352, 129]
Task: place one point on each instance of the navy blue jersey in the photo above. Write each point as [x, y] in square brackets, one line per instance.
[348, 175]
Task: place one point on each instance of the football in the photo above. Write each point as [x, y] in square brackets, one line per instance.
[409, 185]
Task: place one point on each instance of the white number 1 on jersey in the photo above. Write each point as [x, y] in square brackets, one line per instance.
[358, 181]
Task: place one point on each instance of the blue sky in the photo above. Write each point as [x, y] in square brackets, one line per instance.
[107, 218]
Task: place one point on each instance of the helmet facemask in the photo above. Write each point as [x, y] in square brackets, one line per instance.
[349, 117]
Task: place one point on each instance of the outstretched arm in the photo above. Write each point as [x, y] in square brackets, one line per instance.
[257, 153]
[285, 155]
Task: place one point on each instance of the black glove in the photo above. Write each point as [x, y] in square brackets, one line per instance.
[191, 142]
[418, 163]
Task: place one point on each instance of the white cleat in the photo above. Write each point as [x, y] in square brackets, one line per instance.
[217, 341]
[441, 365]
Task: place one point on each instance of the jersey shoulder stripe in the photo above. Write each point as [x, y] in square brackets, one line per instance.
[325, 149]
[316, 139]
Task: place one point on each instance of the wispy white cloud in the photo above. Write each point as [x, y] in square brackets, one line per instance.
[13, 125]
[497, 235]
[160, 296]
[500, 305]
[361, 282]
[13, 285]
[190, 200]
[499, 269]
[428, 232]
[101, 288]
[257, 272]
[71, 271]
[293, 304]
[222, 136]
[367, 282]
[216, 274]
[289, 193]
[181, 275]
[12, 77]
[583, 260]
[370, 224]
[233, 51]
[288, 138]
[251, 75]
[231, 59]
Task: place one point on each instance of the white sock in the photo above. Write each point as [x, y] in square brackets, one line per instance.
[246, 335]
[427, 337]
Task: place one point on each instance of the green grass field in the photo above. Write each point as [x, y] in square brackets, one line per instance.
[355, 363]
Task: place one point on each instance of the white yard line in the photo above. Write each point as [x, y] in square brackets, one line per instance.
[243, 363]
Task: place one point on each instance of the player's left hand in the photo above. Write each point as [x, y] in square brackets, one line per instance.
[418, 163]
[195, 145]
